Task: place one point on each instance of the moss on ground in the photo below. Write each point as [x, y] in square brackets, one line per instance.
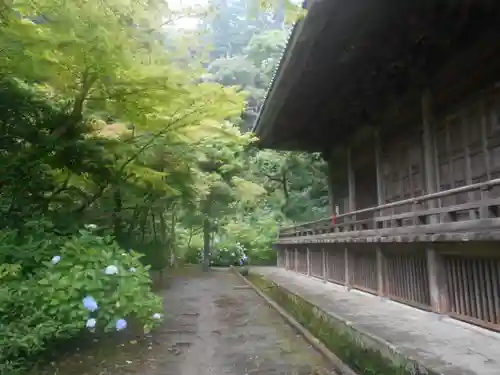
[363, 360]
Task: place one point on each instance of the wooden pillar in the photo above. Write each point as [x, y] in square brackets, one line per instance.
[324, 256]
[296, 263]
[379, 170]
[331, 196]
[437, 282]
[308, 261]
[484, 141]
[428, 147]
[435, 266]
[467, 163]
[380, 272]
[347, 273]
[380, 201]
[351, 182]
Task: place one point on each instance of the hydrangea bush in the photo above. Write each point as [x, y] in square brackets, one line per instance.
[229, 255]
[90, 284]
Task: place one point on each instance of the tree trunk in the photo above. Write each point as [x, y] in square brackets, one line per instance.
[206, 244]
[144, 221]
[173, 238]
[153, 223]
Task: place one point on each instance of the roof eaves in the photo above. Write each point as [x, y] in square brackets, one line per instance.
[292, 37]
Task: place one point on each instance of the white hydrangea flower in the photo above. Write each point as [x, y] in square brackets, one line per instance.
[90, 303]
[111, 270]
[91, 323]
[132, 269]
[56, 259]
[157, 316]
[120, 324]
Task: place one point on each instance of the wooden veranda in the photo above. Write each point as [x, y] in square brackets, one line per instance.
[403, 101]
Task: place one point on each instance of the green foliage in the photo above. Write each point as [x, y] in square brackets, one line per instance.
[47, 306]
[104, 123]
[227, 256]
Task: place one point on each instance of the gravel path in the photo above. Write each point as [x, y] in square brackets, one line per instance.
[215, 325]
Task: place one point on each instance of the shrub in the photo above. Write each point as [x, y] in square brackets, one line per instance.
[193, 255]
[91, 283]
[228, 256]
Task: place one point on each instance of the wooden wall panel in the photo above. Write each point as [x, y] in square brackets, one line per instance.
[467, 150]
[491, 113]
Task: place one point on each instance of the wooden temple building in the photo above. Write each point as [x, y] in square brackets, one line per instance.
[402, 98]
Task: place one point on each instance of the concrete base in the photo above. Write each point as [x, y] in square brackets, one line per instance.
[399, 332]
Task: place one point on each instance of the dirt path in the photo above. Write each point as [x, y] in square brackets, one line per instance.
[215, 325]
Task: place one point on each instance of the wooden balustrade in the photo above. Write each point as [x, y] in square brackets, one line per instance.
[335, 260]
[476, 219]
[302, 262]
[474, 289]
[363, 270]
[316, 262]
[291, 258]
[407, 279]
[428, 269]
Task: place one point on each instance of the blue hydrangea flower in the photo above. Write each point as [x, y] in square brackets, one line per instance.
[91, 323]
[121, 324]
[56, 259]
[90, 303]
[111, 270]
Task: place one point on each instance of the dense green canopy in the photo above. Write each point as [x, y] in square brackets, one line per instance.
[120, 140]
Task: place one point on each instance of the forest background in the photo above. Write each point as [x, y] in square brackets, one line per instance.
[126, 146]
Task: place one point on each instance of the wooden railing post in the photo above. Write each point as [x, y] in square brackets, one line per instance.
[380, 272]
[346, 266]
[437, 281]
[484, 210]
